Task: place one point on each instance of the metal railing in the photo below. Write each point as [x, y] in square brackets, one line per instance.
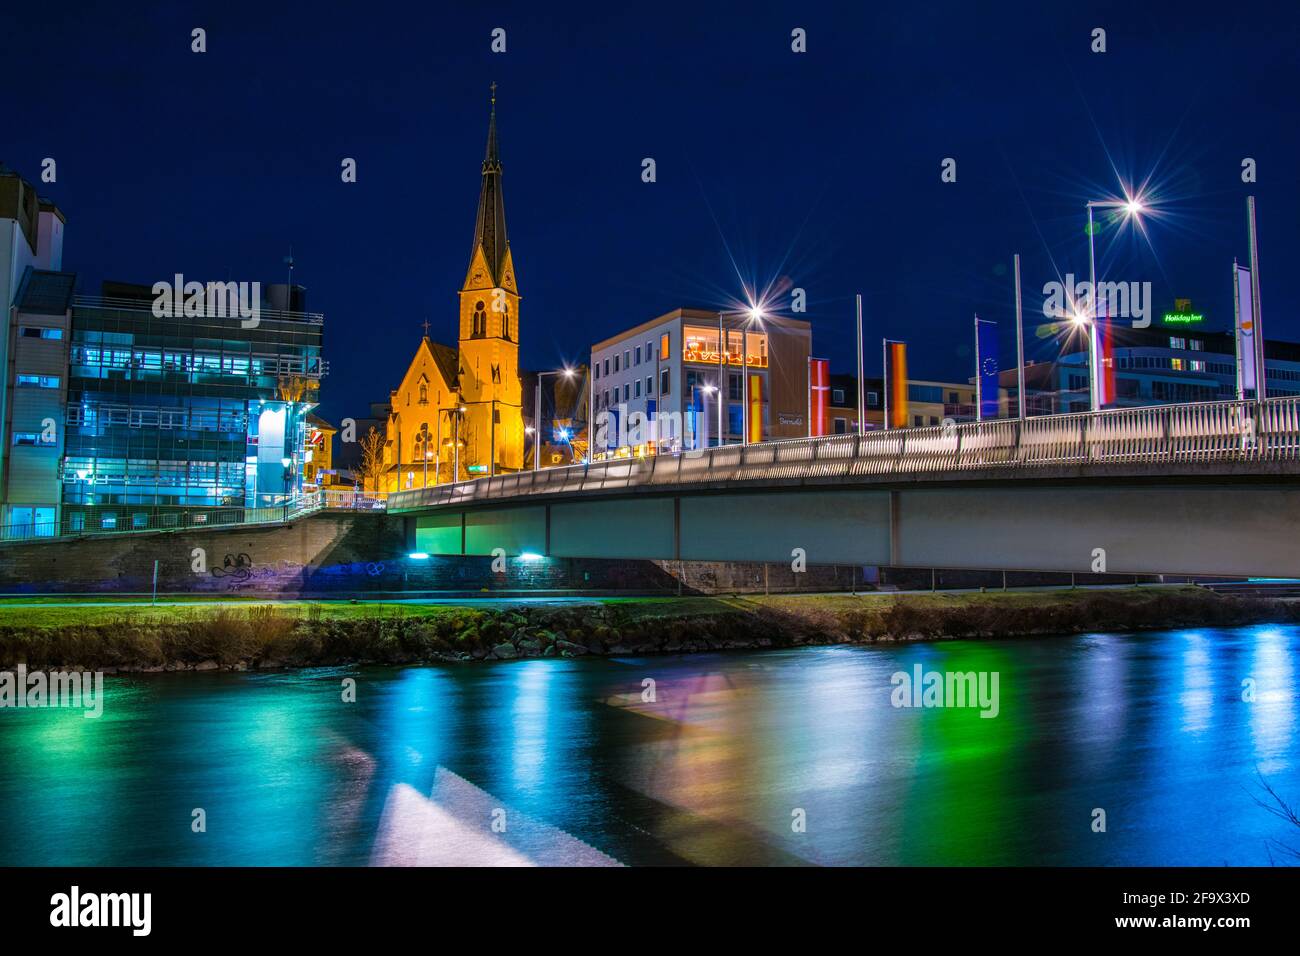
[1212, 431]
[142, 305]
[97, 520]
[333, 499]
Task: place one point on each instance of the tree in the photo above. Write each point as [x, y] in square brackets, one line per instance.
[372, 459]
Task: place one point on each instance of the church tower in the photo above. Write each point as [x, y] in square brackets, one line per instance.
[489, 331]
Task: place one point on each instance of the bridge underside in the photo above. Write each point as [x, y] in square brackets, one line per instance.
[1232, 528]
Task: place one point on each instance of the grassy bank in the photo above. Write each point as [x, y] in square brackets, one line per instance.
[242, 636]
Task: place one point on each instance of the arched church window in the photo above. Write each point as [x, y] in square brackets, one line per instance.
[505, 321]
[480, 321]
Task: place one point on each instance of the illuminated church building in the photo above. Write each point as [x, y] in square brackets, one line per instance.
[461, 407]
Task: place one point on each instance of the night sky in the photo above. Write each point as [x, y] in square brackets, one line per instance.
[821, 168]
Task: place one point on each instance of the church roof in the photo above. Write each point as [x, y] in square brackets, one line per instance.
[490, 226]
[448, 360]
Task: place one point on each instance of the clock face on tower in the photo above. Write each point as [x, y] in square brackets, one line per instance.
[478, 277]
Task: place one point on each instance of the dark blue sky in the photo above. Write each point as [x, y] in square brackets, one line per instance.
[823, 167]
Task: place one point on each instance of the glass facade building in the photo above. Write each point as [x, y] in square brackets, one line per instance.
[169, 416]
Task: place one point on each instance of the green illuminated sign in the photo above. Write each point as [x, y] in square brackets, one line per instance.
[1184, 318]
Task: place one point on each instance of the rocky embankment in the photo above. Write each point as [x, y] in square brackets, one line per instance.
[266, 636]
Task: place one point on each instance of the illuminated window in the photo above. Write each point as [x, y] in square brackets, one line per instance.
[663, 346]
[1177, 364]
[38, 381]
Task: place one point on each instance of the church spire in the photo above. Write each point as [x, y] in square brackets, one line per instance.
[490, 226]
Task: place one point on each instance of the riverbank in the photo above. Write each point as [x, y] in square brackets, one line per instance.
[297, 634]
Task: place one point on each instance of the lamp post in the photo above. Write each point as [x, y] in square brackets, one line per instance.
[703, 415]
[591, 408]
[1132, 207]
[424, 444]
[752, 314]
[755, 315]
[537, 414]
[455, 415]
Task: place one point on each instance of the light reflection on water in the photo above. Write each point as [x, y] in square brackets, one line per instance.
[576, 762]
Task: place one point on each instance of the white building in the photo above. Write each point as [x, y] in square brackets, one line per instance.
[655, 386]
[35, 297]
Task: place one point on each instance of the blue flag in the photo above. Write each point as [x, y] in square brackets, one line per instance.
[986, 367]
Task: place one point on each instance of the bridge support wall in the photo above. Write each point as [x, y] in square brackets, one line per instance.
[1230, 528]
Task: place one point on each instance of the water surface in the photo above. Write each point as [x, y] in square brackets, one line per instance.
[734, 750]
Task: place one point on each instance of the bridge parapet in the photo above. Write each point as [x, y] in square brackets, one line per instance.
[1229, 433]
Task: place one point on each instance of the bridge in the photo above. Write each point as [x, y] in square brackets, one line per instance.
[1206, 488]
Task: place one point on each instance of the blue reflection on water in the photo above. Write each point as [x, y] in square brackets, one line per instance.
[776, 757]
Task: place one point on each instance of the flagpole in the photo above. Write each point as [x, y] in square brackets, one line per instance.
[862, 409]
[1020, 344]
[884, 381]
[1257, 319]
[979, 388]
[1236, 329]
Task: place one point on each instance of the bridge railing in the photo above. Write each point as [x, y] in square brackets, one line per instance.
[1210, 431]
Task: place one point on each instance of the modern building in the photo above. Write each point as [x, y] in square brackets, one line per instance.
[33, 352]
[655, 386]
[36, 395]
[458, 412]
[1159, 365]
[171, 417]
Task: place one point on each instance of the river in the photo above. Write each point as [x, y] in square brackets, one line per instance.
[784, 757]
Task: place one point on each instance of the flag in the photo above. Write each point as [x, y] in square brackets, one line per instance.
[819, 396]
[1245, 313]
[986, 367]
[755, 409]
[895, 384]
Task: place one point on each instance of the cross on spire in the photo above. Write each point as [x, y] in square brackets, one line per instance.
[426, 328]
[494, 92]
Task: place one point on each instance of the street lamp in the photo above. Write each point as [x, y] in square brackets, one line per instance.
[1132, 206]
[537, 414]
[424, 445]
[755, 314]
[703, 415]
[454, 416]
[752, 314]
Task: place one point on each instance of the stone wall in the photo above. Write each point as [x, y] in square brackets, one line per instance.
[343, 554]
